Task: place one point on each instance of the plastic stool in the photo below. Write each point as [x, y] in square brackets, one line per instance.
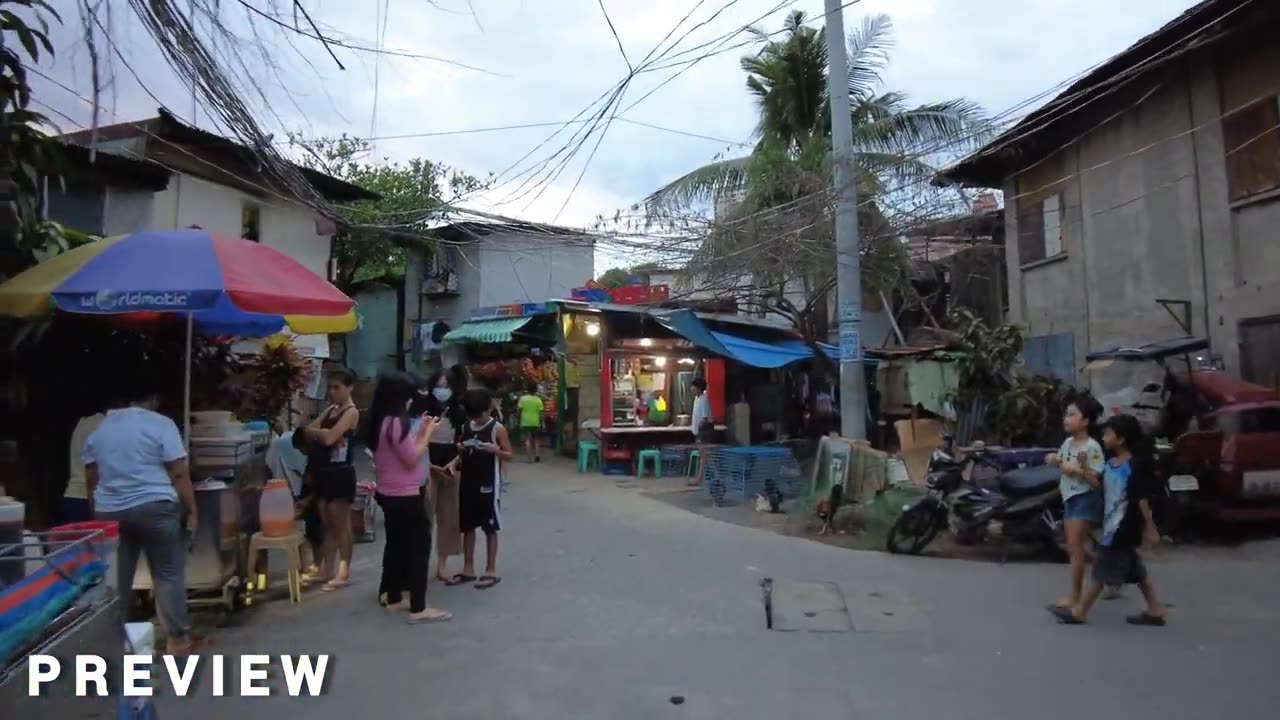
[651, 456]
[586, 450]
[694, 458]
[290, 545]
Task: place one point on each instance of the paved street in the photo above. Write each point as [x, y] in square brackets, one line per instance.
[613, 603]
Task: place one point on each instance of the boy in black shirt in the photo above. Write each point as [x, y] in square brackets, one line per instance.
[1127, 524]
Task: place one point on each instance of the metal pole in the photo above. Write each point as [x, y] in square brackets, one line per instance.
[186, 385]
[853, 383]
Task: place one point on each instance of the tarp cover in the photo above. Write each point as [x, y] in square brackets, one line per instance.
[755, 353]
[486, 331]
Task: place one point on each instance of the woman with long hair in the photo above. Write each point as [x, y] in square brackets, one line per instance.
[441, 398]
[398, 452]
[333, 474]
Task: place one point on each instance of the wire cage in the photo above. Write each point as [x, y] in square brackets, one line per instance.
[738, 474]
[41, 578]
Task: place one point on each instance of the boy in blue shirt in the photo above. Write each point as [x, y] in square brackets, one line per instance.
[1127, 524]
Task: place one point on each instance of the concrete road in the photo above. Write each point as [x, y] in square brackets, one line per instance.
[613, 604]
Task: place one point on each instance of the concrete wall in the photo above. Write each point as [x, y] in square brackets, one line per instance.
[507, 268]
[285, 226]
[128, 211]
[1146, 215]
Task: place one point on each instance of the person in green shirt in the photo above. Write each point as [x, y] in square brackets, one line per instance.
[530, 409]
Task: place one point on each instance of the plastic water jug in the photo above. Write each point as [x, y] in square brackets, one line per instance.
[275, 509]
[12, 560]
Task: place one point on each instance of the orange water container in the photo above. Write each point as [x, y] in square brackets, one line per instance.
[275, 509]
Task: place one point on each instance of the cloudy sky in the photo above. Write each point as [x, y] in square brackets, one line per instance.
[544, 61]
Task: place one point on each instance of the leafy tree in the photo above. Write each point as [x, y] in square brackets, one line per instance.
[27, 155]
[375, 234]
[788, 78]
[614, 277]
[771, 243]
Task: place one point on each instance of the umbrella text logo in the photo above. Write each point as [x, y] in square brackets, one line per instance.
[109, 301]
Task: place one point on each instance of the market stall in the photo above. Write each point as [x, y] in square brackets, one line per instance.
[511, 348]
[214, 286]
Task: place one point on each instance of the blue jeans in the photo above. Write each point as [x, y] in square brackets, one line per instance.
[155, 529]
[1085, 506]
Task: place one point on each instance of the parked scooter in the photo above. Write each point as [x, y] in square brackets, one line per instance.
[1016, 506]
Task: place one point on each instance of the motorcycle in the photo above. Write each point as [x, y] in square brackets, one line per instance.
[1013, 506]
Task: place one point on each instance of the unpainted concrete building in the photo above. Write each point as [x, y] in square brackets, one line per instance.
[1153, 178]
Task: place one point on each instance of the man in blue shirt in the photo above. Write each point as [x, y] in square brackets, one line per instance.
[136, 471]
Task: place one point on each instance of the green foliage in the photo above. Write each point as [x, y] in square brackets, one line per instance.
[614, 277]
[27, 155]
[375, 233]
[788, 78]
[1021, 410]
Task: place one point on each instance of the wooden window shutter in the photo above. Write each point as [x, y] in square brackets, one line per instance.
[1251, 141]
[1030, 232]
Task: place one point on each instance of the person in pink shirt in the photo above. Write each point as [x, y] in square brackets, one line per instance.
[398, 452]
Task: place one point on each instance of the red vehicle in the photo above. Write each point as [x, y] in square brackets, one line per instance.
[1220, 435]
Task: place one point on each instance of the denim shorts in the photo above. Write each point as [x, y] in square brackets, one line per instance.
[1085, 506]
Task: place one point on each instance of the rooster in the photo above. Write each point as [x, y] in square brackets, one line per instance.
[827, 508]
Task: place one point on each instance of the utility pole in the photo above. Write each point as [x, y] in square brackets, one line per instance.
[853, 380]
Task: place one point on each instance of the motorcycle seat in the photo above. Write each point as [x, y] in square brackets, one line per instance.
[1029, 480]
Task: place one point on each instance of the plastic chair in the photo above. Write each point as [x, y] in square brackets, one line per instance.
[694, 458]
[649, 456]
[586, 450]
[290, 545]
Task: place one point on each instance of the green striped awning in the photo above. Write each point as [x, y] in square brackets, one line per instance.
[486, 331]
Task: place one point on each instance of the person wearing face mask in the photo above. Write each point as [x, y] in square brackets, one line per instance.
[444, 402]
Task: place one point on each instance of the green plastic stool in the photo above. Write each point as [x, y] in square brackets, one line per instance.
[646, 456]
[586, 450]
[694, 457]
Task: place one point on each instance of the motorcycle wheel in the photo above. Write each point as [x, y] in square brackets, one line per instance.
[911, 533]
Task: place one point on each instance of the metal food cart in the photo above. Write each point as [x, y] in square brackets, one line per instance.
[228, 476]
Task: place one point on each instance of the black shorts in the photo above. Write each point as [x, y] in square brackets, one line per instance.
[441, 454]
[1114, 567]
[478, 509]
[336, 483]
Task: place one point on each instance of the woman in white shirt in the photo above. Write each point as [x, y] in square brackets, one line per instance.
[76, 503]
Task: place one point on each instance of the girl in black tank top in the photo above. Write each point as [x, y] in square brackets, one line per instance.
[333, 476]
[484, 445]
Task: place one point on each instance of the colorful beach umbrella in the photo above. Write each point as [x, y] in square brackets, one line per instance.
[226, 286]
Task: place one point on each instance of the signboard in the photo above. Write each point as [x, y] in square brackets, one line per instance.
[629, 295]
[850, 343]
[514, 310]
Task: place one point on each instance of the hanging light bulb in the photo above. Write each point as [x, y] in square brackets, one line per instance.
[593, 329]
[660, 361]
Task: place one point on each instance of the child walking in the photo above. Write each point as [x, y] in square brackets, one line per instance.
[1081, 460]
[531, 409]
[1127, 524]
[484, 445]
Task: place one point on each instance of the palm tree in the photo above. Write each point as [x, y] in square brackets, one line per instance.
[788, 78]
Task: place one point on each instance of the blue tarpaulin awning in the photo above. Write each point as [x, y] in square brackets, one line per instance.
[744, 350]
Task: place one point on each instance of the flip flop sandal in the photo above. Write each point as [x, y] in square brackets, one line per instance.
[443, 617]
[487, 582]
[1146, 618]
[459, 579]
[1066, 617]
[335, 585]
